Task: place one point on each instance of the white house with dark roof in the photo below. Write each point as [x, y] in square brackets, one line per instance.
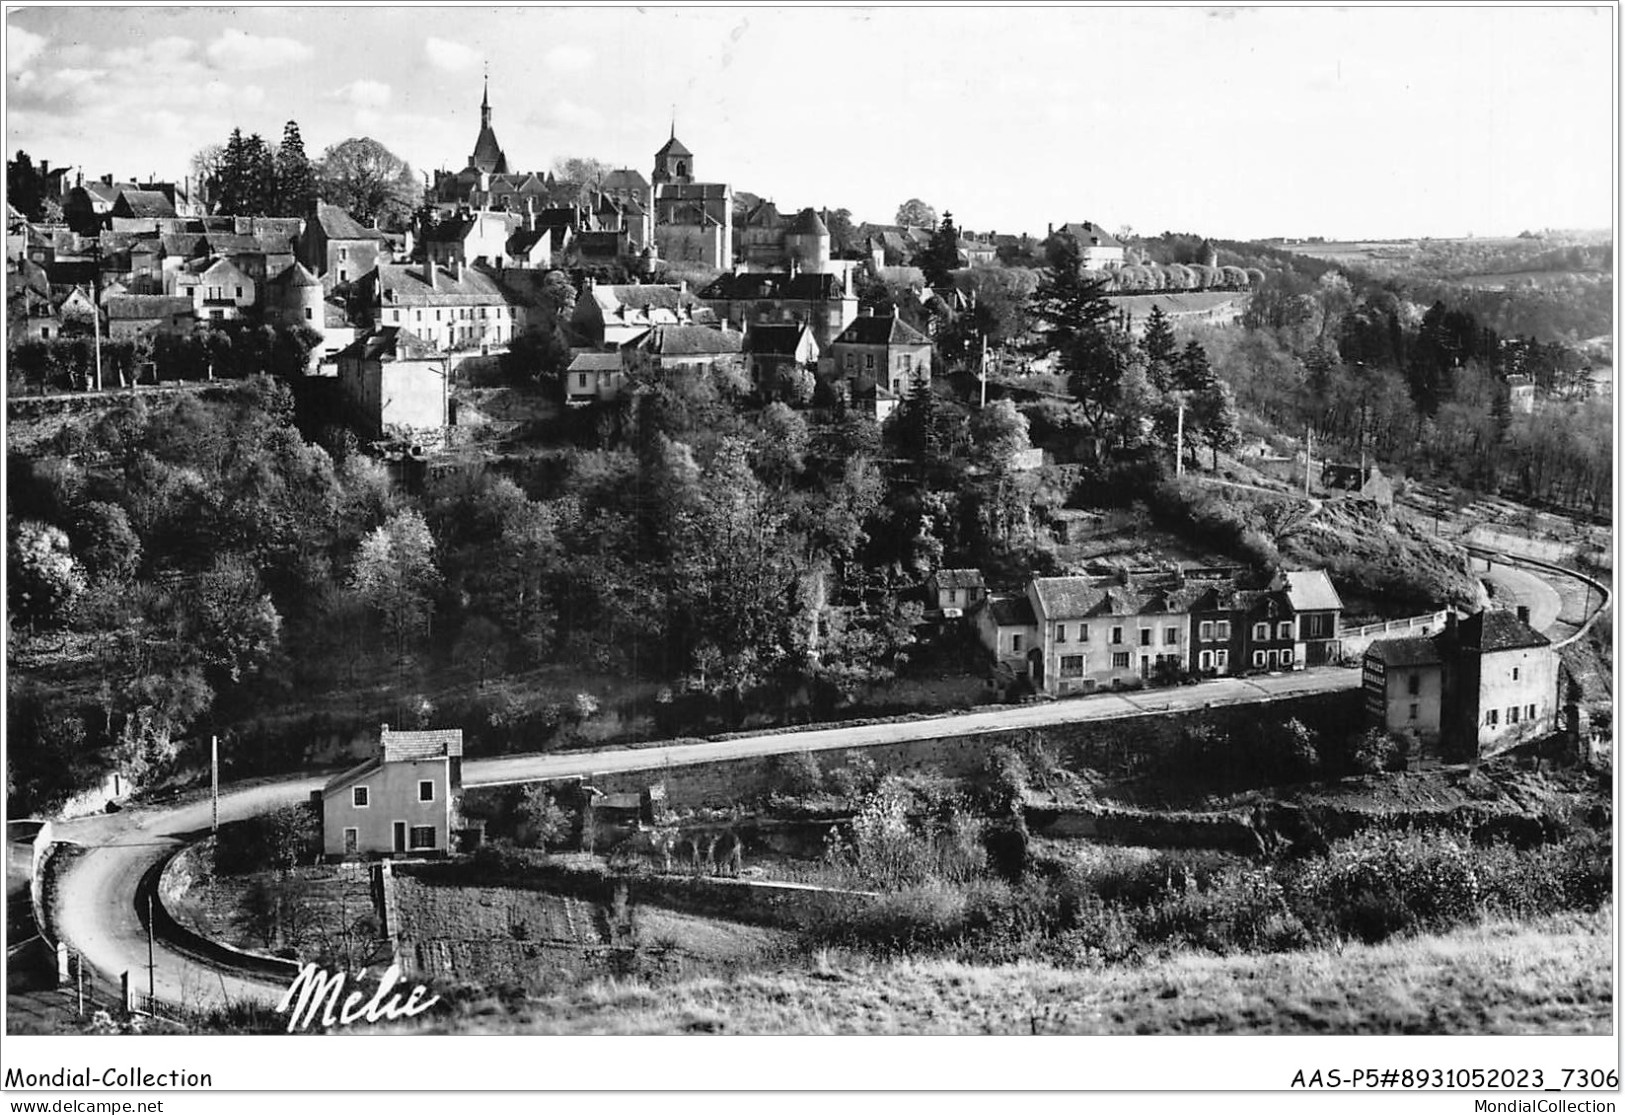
[395, 382]
[218, 288]
[594, 377]
[609, 315]
[1008, 628]
[336, 248]
[954, 591]
[666, 349]
[1098, 250]
[1482, 684]
[1317, 611]
[882, 352]
[459, 309]
[402, 801]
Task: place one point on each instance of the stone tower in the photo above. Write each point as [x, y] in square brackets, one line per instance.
[674, 163]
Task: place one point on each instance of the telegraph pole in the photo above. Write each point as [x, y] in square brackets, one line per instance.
[1179, 441]
[152, 965]
[214, 763]
[1308, 457]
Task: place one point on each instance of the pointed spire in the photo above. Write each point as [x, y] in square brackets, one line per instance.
[485, 99]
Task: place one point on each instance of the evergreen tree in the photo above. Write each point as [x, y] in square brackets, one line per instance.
[295, 178]
[1160, 348]
[259, 177]
[1215, 412]
[234, 174]
[25, 189]
[941, 256]
[1193, 372]
[1078, 327]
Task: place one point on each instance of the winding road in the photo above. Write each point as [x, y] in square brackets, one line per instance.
[96, 909]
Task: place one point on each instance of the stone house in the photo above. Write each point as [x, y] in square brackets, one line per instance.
[1111, 631]
[1481, 685]
[771, 347]
[594, 377]
[882, 352]
[336, 248]
[393, 381]
[823, 301]
[457, 309]
[405, 800]
[609, 315]
[954, 590]
[1098, 250]
[668, 349]
[1319, 613]
[218, 288]
[479, 236]
[135, 315]
[1008, 628]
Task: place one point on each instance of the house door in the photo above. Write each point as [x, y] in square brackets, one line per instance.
[350, 841]
[400, 836]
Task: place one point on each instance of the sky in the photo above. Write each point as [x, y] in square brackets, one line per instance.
[1235, 123]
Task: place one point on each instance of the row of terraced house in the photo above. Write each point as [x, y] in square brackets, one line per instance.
[1078, 634]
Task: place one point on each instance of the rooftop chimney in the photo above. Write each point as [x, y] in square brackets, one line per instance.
[429, 269]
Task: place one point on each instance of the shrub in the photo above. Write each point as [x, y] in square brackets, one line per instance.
[1376, 884]
[797, 774]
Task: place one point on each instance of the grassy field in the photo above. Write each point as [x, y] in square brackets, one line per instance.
[1549, 977]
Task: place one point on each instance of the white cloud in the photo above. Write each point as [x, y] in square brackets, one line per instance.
[363, 94]
[22, 47]
[238, 50]
[164, 54]
[565, 114]
[447, 55]
[568, 58]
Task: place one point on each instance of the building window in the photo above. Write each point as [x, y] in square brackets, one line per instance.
[1072, 665]
[1492, 718]
[851, 360]
[311, 314]
[1060, 632]
[1512, 714]
[953, 596]
[1117, 635]
[1120, 660]
[1204, 661]
[1530, 710]
[344, 276]
[1206, 631]
[425, 790]
[1015, 644]
[422, 837]
[906, 362]
[45, 333]
[358, 797]
[1283, 631]
[868, 361]
[581, 379]
[420, 315]
[1222, 629]
[1083, 632]
[1258, 658]
[1413, 684]
[1261, 632]
[1170, 636]
[1286, 657]
[344, 253]
[1416, 712]
[1221, 660]
[1145, 636]
[1514, 673]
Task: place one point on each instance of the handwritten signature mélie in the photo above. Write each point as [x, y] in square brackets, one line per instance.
[312, 986]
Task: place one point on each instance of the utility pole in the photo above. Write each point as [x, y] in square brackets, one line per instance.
[1179, 441]
[96, 306]
[1308, 457]
[214, 763]
[152, 965]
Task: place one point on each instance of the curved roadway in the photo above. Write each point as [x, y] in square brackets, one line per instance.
[95, 909]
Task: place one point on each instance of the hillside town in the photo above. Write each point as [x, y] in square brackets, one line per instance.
[743, 581]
